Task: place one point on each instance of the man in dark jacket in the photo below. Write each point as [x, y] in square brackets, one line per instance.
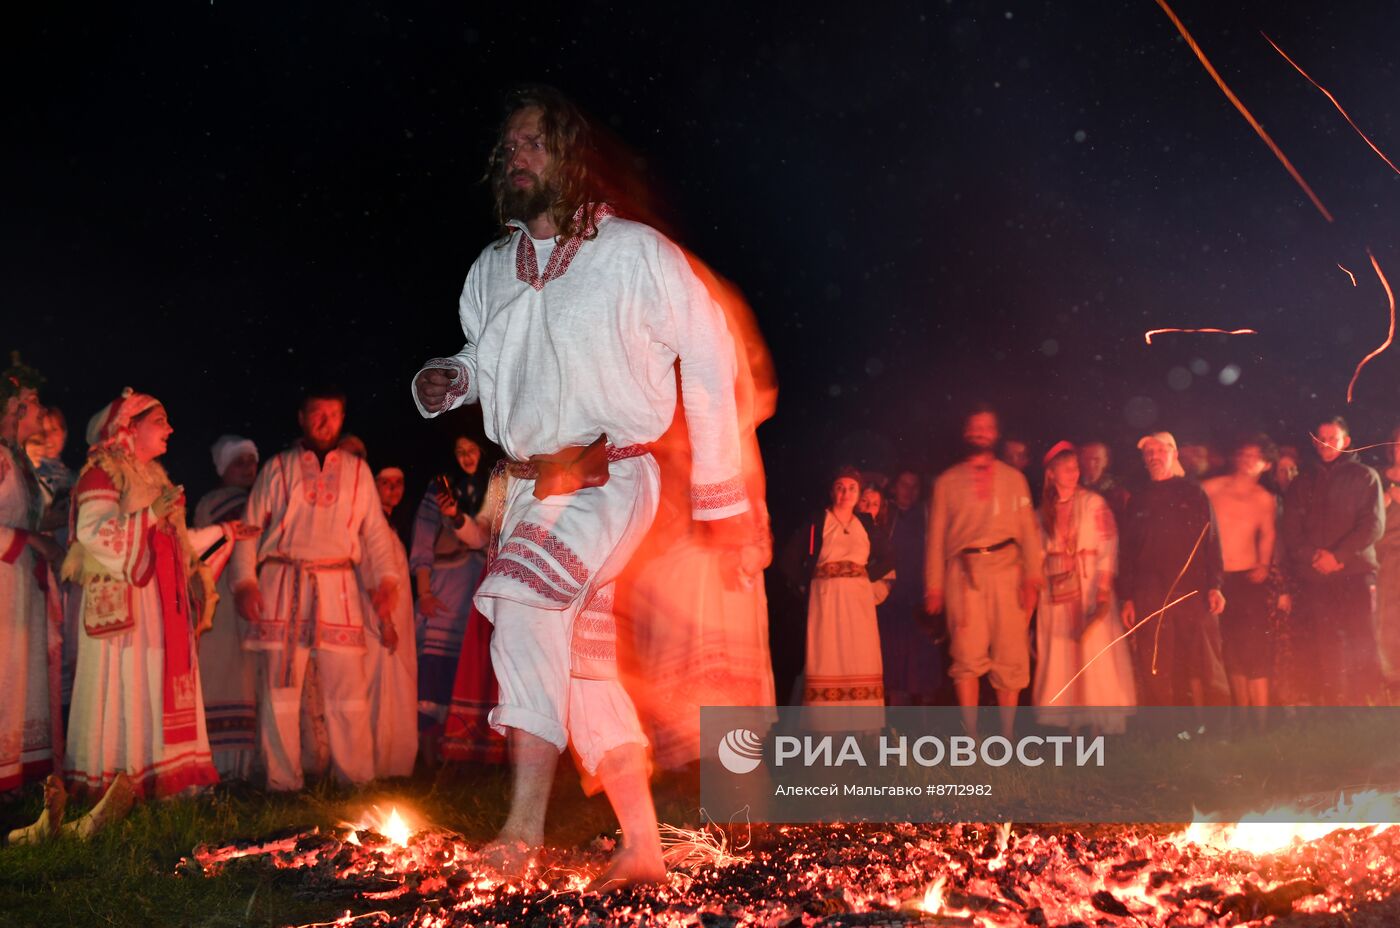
[1171, 548]
[912, 655]
[1332, 517]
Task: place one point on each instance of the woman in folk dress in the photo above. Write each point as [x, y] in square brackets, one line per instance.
[844, 552]
[1077, 606]
[137, 719]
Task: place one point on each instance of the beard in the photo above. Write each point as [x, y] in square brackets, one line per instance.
[974, 447]
[525, 203]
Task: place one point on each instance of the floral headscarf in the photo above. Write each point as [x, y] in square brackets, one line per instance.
[111, 429]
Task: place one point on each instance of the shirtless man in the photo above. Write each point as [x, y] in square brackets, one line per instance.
[1246, 514]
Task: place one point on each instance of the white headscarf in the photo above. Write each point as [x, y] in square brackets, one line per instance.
[230, 448]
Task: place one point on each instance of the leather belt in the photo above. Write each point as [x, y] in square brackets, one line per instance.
[566, 471]
[573, 468]
[989, 548]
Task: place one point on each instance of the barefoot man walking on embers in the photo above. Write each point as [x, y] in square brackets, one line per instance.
[574, 321]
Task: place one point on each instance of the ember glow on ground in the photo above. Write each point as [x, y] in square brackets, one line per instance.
[839, 875]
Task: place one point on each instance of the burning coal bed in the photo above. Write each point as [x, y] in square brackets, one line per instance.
[390, 874]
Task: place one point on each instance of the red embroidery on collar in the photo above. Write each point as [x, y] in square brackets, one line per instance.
[527, 267]
[320, 484]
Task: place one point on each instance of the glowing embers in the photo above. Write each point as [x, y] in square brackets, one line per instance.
[1147, 336]
[384, 856]
[987, 876]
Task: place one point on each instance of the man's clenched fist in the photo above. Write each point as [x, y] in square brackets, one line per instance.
[431, 385]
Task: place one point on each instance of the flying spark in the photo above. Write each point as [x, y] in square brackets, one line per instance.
[1349, 274]
[1390, 336]
[1151, 332]
[1328, 95]
[1139, 624]
[1328, 444]
[1249, 117]
[1145, 619]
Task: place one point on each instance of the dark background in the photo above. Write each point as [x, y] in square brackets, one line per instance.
[925, 204]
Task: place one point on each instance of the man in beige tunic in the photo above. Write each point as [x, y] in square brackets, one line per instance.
[984, 567]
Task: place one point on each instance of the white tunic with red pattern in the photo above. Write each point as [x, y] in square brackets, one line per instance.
[585, 347]
[318, 521]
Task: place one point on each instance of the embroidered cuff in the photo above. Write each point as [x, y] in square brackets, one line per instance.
[712, 501]
[458, 388]
[16, 546]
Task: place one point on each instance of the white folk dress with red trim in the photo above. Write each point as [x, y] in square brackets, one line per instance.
[844, 665]
[1066, 639]
[116, 721]
[315, 518]
[589, 346]
[26, 714]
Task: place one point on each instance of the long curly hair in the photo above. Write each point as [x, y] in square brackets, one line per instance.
[569, 139]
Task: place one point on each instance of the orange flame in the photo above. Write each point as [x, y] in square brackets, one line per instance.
[396, 829]
[1151, 332]
[933, 896]
[1390, 336]
[1258, 834]
[1249, 118]
[392, 826]
[935, 902]
[1329, 96]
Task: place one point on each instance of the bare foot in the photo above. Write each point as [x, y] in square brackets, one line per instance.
[628, 867]
[509, 855]
[50, 820]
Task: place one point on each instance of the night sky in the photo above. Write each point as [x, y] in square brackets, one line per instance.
[925, 203]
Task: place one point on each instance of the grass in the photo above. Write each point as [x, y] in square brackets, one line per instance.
[128, 876]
